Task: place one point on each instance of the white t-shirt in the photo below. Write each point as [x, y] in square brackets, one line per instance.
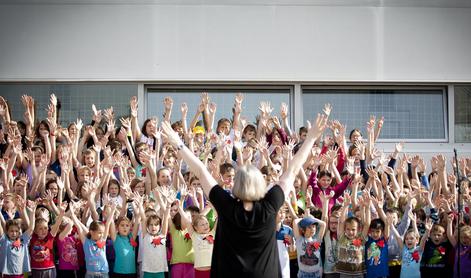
[154, 253]
[203, 248]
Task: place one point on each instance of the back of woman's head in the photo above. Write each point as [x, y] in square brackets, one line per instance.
[249, 184]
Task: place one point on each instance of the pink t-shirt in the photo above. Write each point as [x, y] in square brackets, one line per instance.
[68, 253]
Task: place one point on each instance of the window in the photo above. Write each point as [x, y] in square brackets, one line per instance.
[76, 99]
[411, 114]
[463, 114]
[224, 99]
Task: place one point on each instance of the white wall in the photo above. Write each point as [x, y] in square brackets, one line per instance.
[266, 42]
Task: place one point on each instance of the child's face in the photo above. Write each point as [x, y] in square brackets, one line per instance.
[351, 230]
[98, 234]
[325, 182]
[124, 228]
[8, 204]
[355, 137]
[54, 189]
[140, 188]
[411, 240]
[310, 231]
[333, 223]
[37, 156]
[131, 174]
[288, 220]
[250, 134]
[165, 178]
[195, 183]
[302, 136]
[41, 230]
[154, 227]
[13, 232]
[84, 175]
[437, 235]
[376, 233]
[228, 178]
[173, 210]
[393, 216]
[202, 227]
[465, 239]
[280, 217]
[224, 127]
[113, 189]
[89, 160]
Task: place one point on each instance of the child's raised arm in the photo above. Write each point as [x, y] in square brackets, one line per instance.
[82, 231]
[109, 220]
[2, 220]
[452, 237]
[367, 218]
[428, 227]
[56, 226]
[343, 217]
[31, 217]
[397, 236]
[166, 218]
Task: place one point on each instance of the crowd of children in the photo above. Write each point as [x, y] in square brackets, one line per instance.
[107, 201]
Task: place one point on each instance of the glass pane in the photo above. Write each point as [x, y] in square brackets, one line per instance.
[463, 114]
[76, 99]
[223, 98]
[409, 114]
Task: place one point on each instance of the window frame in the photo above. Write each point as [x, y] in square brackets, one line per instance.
[445, 94]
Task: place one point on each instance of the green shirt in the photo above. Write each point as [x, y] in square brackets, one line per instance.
[182, 247]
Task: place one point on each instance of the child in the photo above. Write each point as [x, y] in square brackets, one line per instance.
[411, 253]
[69, 247]
[351, 243]
[284, 239]
[308, 233]
[94, 244]
[41, 250]
[329, 246]
[227, 173]
[377, 249]
[153, 241]
[463, 248]
[436, 257]
[14, 255]
[124, 243]
[202, 238]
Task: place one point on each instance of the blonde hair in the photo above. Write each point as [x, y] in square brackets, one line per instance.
[249, 184]
[465, 232]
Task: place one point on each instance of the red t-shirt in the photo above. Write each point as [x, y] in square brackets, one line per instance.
[41, 252]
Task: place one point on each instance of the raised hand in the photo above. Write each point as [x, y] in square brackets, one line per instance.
[284, 110]
[172, 137]
[133, 105]
[184, 109]
[168, 103]
[96, 114]
[350, 166]
[327, 109]
[239, 98]
[212, 108]
[79, 125]
[53, 99]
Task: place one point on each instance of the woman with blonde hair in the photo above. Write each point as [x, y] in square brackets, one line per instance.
[245, 243]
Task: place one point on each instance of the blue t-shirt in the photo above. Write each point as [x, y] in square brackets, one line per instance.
[95, 257]
[376, 258]
[410, 267]
[125, 255]
[14, 255]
